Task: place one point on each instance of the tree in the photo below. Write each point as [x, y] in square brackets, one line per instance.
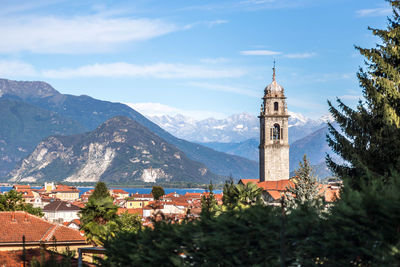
[13, 201]
[157, 192]
[306, 189]
[99, 216]
[369, 137]
[100, 191]
[240, 196]
[129, 222]
[209, 205]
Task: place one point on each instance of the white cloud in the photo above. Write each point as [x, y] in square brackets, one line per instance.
[224, 88]
[158, 70]
[300, 55]
[259, 53]
[157, 109]
[16, 68]
[374, 12]
[209, 24]
[214, 60]
[82, 34]
[154, 109]
[216, 22]
[256, 2]
[276, 53]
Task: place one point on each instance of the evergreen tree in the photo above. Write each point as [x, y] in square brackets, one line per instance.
[209, 205]
[369, 137]
[157, 192]
[306, 189]
[100, 191]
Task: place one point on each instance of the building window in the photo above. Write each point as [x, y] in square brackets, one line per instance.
[276, 132]
[276, 106]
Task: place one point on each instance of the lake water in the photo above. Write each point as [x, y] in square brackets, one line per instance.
[180, 191]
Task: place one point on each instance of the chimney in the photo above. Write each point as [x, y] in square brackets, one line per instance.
[13, 216]
[26, 217]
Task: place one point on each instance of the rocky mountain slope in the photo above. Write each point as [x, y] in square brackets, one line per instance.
[23, 126]
[234, 129]
[90, 113]
[118, 151]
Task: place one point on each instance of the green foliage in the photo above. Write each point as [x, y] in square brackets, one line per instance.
[100, 191]
[129, 222]
[238, 196]
[231, 239]
[306, 188]
[362, 228]
[99, 218]
[13, 201]
[157, 192]
[209, 205]
[369, 137]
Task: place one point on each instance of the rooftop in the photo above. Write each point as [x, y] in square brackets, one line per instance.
[16, 224]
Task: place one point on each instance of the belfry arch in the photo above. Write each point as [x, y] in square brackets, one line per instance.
[274, 141]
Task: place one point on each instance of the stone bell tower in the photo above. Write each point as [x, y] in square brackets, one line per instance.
[274, 139]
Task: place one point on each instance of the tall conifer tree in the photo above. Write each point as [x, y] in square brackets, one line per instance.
[369, 139]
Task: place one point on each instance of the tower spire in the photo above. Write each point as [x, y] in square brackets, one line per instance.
[273, 74]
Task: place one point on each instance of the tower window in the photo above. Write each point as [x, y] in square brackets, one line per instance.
[276, 106]
[276, 132]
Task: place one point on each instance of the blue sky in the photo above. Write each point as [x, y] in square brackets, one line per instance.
[195, 57]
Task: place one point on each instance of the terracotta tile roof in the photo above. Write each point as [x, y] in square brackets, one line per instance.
[276, 195]
[173, 194]
[65, 188]
[176, 203]
[118, 191]
[75, 221]
[58, 205]
[89, 192]
[140, 196]
[280, 185]
[16, 224]
[245, 181]
[21, 186]
[138, 211]
[26, 193]
[78, 204]
[193, 195]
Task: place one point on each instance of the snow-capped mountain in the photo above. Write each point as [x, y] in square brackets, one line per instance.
[235, 128]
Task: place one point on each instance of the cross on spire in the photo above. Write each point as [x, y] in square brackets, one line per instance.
[273, 74]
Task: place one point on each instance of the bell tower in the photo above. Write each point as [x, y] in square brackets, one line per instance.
[274, 139]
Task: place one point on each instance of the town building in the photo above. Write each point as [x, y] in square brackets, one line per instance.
[60, 211]
[37, 232]
[60, 191]
[274, 137]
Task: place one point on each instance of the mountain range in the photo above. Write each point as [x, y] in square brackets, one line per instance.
[119, 151]
[23, 126]
[306, 136]
[35, 115]
[89, 113]
[233, 129]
